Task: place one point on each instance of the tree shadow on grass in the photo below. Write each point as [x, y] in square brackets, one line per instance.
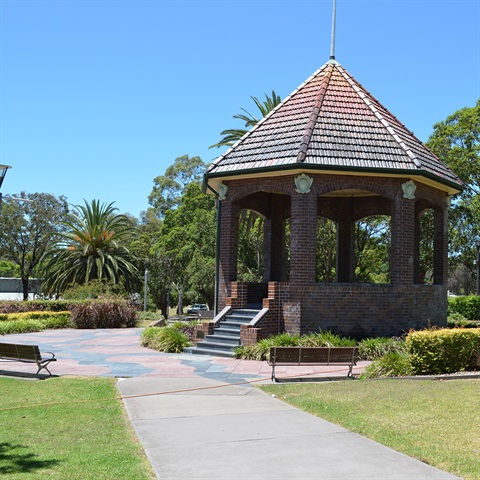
[18, 459]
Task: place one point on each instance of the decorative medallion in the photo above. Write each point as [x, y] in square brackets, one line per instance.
[303, 183]
[222, 191]
[409, 189]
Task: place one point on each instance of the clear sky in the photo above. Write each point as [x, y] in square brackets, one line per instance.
[98, 97]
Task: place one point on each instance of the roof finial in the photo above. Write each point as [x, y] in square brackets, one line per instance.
[334, 16]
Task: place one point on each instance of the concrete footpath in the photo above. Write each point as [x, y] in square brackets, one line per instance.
[202, 418]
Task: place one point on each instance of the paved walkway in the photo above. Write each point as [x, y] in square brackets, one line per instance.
[200, 418]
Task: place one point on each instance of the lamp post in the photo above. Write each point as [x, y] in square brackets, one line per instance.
[3, 172]
[147, 263]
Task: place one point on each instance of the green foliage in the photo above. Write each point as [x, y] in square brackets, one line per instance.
[375, 348]
[325, 339]
[443, 351]
[231, 136]
[28, 228]
[104, 313]
[27, 322]
[186, 248]
[9, 269]
[260, 350]
[250, 247]
[456, 141]
[169, 188]
[92, 289]
[326, 250]
[456, 320]
[392, 364]
[91, 247]
[372, 249]
[468, 306]
[165, 339]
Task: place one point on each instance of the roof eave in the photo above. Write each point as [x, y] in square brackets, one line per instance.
[453, 188]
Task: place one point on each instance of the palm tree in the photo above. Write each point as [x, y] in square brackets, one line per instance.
[231, 136]
[90, 248]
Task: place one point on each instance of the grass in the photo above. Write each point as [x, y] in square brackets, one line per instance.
[70, 428]
[436, 422]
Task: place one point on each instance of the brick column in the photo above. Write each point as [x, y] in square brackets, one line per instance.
[402, 248]
[228, 250]
[303, 241]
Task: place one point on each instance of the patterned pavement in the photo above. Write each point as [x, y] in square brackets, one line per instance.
[117, 353]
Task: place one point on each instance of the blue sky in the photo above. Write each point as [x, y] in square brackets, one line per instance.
[98, 97]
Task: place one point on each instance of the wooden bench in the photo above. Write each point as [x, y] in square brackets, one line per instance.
[26, 354]
[313, 356]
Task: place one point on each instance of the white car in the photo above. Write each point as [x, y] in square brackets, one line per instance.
[194, 309]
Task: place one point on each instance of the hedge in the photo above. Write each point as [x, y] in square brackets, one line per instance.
[444, 351]
[468, 306]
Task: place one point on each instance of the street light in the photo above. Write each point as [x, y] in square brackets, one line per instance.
[3, 172]
[147, 263]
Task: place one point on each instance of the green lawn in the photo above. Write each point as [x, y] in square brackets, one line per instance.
[434, 421]
[71, 428]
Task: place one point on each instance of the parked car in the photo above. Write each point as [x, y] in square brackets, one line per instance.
[194, 309]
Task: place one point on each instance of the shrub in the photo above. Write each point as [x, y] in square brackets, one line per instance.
[375, 348]
[457, 320]
[468, 306]
[392, 364]
[325, 339]
[187, 328]
[11, 306]
[164, 339]
[443, 351]
[27, 322]
[21, 326]
[104, 313]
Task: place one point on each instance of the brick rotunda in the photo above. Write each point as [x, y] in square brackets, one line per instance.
[331, 150]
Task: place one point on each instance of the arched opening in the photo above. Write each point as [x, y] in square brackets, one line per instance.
[250, 246]
[263, 237]
[430, 240]
[372, 249]
[353, 237]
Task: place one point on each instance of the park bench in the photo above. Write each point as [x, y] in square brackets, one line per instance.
[26, 354]
[288, 356]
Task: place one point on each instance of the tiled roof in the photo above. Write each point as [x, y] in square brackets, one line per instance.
[332, 123]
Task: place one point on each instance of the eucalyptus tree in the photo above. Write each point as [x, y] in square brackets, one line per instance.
[91, 247]
[231, 136]
[169, 188]
[456, 141]
[28, 225]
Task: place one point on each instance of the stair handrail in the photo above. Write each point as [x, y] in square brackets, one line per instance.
[258, 317]
[221, 315]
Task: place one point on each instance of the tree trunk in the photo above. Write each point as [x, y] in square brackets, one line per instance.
[25, 288]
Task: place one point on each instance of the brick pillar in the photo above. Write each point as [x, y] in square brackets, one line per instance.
[303, 244]
[416, 255]
[403, 235]
[267, 249]
[440, 247]
[228, 250]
